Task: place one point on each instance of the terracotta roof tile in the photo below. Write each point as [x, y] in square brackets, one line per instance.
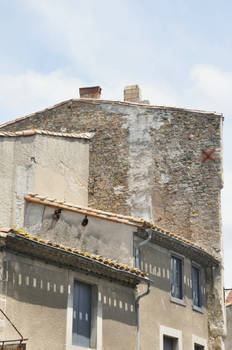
[45, 132]
[99, 259]
[128, 220]
[229, 299]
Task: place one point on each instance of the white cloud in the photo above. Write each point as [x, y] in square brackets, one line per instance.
[211, 88]
[104, 39]
[30, 91]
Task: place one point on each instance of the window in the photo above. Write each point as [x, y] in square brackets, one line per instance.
[198, 347]
[177, 277]
[199, 343]
[82, 296]
[170, 338]
[170, 343]
[196, 287]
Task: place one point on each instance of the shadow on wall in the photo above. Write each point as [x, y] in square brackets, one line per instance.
[158, 266]
[119, 305]
[44, 286]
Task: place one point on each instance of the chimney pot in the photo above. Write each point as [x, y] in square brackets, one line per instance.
[90, 92]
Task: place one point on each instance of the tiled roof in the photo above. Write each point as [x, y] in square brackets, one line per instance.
[229, 299]
[128, 220]
[45, 132]
[99, 101]
[99, 260]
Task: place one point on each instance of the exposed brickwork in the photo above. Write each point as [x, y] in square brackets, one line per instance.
[90, 92]
[132, 93]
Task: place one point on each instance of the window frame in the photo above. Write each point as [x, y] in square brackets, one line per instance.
[96, 324]
[171, 333]
[175, 299]
[199, 307]
[199, 341]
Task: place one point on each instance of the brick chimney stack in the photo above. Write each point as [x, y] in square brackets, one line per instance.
[90, 92]
[132, 93]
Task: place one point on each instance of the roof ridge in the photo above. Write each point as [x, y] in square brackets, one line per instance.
[98, 101]
[31, 132]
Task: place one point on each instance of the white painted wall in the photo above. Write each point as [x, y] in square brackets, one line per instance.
[54, 167]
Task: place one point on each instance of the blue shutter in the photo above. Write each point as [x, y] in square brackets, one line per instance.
[196, 286]
[81, 314]
[176, 266]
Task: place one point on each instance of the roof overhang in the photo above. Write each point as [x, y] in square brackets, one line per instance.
[53, 253]
[160, 236]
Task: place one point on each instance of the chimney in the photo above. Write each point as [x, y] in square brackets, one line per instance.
[132, 93]
[90, 92]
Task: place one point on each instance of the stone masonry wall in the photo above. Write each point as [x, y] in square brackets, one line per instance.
[148, 162]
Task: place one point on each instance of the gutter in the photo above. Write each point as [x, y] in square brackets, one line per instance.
[137, 265]
[141, 244]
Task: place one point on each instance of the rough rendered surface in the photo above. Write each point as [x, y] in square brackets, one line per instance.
[61, 174]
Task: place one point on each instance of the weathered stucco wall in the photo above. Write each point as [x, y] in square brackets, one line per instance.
[52, 166]
[100, 237]
[158, 308]
[38, 300]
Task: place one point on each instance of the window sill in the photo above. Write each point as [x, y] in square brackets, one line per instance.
[178, 301]
[198, 309]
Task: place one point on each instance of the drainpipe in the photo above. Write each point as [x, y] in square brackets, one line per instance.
[137, 265]
[137, 313]
[137, 249]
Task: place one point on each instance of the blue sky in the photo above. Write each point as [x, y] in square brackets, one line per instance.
[179, 52]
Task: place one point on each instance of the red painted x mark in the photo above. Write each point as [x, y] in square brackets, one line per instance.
[208, 155]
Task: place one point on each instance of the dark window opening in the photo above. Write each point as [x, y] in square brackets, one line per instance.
[170, 343]
[198, 347]
[177, 277]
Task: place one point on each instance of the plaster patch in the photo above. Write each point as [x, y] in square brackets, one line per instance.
[139, 123]
[119, 189]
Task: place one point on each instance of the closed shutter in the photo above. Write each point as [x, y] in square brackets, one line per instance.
[196, 286]
[82, 314]
[176, 278]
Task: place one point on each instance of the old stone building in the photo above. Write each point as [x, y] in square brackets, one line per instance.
[147, 161]
[153, 175]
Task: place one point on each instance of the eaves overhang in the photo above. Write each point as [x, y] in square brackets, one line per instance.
[174, 244]
[161, 236]
[71, 258]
